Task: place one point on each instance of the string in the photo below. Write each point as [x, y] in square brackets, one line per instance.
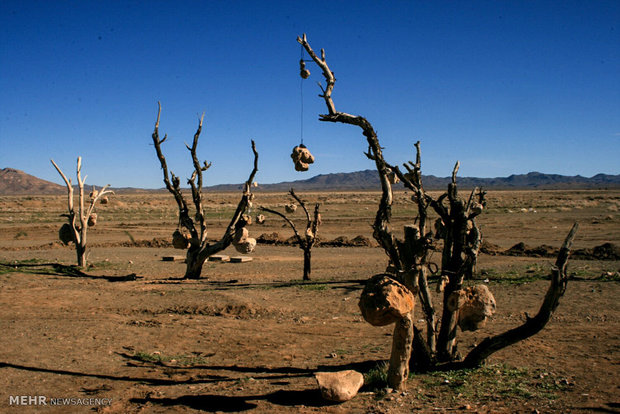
[301, 96]
[301, 91]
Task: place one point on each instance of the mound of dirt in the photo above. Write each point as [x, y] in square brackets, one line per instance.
[520, 249]
[269, 238]
[339, 241]
[606, 251]
[363, 241]
[516, 250]
[490, 248]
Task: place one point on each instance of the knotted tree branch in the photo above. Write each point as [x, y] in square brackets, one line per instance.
[199, 249]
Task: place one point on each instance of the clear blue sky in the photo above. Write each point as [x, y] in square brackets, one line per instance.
[503, 86]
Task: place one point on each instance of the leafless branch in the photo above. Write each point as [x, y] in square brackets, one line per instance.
[557, 287]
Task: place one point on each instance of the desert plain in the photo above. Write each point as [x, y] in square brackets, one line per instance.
[129, 331]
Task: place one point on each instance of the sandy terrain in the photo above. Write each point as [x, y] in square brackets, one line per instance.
[249, 336]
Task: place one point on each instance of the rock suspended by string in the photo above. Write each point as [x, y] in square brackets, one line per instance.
[303, 72]
[246, 246]
[92, 219]
[243, 243]
[179, 240]
[290, 208]
[302, 158]
[474, 304]
[65, 234]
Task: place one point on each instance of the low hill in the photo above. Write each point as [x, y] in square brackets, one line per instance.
[16, 182]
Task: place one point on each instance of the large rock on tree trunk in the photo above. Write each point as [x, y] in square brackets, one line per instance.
[339, 386]
[475, 305]
[384, 300]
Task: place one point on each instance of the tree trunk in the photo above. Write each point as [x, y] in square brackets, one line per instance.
[398, 370]
[307, 264]
[194, 264]
[447, 331]
[81, 254]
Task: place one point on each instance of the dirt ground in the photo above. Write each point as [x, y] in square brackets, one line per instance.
[249, 336]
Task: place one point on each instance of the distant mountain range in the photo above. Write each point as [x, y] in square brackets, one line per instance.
[369, 180]
[16, 182]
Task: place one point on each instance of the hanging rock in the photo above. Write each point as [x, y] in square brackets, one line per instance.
[246, 246]
[384, 300]
[179, 241]
[92, 219]
[260, 219]
[246, 217]
[290, 208]
[93, 194]
[104, 200]
[241, 234]
[475, 305]
[303, 72]
[65, 234]
[302, 158]
[339, 386]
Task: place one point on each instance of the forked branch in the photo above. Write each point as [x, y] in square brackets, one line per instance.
[557, 287]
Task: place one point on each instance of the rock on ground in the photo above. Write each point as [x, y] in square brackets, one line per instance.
[339, 386]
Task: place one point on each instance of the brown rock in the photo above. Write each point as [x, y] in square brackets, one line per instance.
[385, 300]
[241, 234]
[179, 241]
[477, 308]
[65, 234]
[339, 386]
[302, 158]
[247, 246]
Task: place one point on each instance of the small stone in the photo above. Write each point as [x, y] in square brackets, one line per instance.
[339, 386]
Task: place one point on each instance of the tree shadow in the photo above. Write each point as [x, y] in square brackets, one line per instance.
[223, 403]
[289, 372]
[349, 285]
[212, 403]
[58, 269]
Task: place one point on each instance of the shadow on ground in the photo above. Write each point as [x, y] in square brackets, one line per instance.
[57, 269]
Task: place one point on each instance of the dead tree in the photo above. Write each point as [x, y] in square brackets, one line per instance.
[409, 259]
[307, 241]
[84, 217]
[199, 249]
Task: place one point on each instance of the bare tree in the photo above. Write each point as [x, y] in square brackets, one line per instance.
[79, 221]
[307, 241]
[199, 249]
[409, 258]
